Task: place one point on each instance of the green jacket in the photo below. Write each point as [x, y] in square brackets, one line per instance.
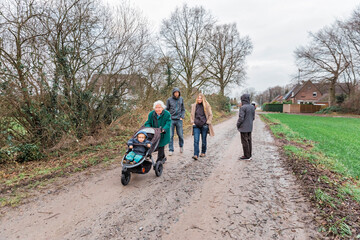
[164, 121]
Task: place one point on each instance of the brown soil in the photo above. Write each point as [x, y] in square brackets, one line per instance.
[216, 197]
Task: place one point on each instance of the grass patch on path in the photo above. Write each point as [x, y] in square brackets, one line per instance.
[324, 154]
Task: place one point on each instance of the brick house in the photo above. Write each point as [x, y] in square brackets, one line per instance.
[278, 98]
[104, 84]
[316, 93]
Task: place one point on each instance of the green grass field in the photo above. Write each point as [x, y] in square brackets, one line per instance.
[337, 138]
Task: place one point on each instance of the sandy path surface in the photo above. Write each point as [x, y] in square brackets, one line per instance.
[216, 197]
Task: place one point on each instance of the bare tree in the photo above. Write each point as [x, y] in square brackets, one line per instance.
[269, 94]
[226, 53]
[186, 35]
[351, 49]
[18, 19]
[323, 59]
[67, 64]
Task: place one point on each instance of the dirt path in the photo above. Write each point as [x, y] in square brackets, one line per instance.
[216, 197]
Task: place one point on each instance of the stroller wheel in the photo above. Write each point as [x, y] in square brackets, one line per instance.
[158, 168]
[125, 178]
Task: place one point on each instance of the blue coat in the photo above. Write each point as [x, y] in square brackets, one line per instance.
[139, 148]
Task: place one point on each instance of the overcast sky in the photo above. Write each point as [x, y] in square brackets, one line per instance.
[276, 28]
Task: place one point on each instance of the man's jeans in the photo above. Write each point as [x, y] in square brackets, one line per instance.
[178, 124]
[197, 131]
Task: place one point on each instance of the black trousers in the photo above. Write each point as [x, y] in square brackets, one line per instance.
[161, 153]
[246, 143]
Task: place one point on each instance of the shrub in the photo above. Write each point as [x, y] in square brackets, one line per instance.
[340, 98]
[28, 152]
[220, 103]
[272, 107]
[21, 153]
[352, 103]
[3, 156]
[331, 110]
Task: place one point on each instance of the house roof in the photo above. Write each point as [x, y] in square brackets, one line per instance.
[278, 98]
[294, 89]
[108, 81]
[340, 88]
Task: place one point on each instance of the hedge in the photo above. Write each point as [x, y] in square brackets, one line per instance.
[276, 107]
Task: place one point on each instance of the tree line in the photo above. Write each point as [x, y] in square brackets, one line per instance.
[332, 56]
[74, 66]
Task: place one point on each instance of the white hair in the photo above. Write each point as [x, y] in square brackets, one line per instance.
[159, 102]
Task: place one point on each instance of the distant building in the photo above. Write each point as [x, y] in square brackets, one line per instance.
[105, 84]
[278, 98]
[316, 93]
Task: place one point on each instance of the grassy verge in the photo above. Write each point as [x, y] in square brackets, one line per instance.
[322, 153]
[17, 180]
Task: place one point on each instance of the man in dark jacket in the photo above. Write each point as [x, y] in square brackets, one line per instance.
[245, 125]
[175, 105]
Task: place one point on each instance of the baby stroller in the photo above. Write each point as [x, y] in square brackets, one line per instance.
[144, 165]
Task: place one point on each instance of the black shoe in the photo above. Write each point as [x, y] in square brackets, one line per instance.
[244, 158]
[162, 160]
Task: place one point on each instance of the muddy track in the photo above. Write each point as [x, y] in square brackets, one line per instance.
[216, 197]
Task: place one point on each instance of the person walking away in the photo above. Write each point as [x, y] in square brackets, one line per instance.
[201, 117]
[175, 105]
[160, 118]
[245, 125]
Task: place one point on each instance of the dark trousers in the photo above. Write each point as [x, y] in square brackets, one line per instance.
[246, 143]
[161, 153]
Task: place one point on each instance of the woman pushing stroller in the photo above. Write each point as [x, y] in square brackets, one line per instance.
[160, 118]
[153, 136]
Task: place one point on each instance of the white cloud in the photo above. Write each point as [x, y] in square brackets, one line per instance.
[276, 28]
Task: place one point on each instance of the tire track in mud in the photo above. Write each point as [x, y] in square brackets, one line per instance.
[255, 199]
[215, 197]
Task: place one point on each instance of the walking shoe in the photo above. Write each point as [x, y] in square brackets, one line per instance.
[244, 158]
[181, 149]
[195, 157]
[170, 153]
[202, 155]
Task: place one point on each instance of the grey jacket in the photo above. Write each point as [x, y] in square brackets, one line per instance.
[176, 106]
[246, 115]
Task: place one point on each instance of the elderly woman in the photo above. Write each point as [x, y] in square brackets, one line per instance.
[160, 118]
[201, 117]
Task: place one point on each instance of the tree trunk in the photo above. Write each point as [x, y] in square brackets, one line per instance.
[332, 99]
[222, 91]
[188, 92]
